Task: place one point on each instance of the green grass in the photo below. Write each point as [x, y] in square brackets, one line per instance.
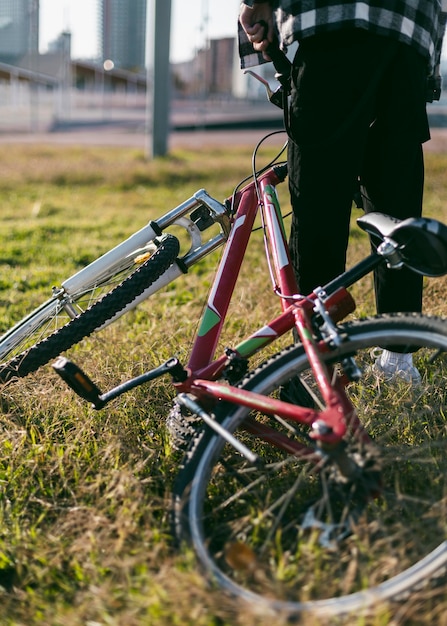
[84, 495]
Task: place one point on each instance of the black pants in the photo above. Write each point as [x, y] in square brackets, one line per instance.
[357, 109]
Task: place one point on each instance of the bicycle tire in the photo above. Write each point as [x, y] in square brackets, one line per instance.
[252, 528]
[96, 315]
[78, 293]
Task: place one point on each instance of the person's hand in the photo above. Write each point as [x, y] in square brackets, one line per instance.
[259, 35]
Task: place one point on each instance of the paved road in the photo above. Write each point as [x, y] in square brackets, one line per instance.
[121, 137]
[187, 139]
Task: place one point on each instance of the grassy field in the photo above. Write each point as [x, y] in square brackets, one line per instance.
[84, 495]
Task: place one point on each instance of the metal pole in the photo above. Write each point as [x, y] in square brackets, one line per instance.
[158, 77]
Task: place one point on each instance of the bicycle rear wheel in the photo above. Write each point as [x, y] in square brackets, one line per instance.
[49, 330]
[293, 535]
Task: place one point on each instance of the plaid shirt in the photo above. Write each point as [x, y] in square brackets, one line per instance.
[419, 23]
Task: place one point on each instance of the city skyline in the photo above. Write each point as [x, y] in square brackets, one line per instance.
[191, 25]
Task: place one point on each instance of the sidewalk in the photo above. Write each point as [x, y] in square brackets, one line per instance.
[184, 139]
[190, 139]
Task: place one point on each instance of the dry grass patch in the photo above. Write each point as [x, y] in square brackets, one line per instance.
[84, 496]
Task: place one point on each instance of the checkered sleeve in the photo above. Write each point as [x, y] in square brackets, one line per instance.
[440, 39]
[434, 81]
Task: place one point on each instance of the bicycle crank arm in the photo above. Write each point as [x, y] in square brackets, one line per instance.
[84, 387]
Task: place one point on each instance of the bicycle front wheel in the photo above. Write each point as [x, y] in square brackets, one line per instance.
[291, 533]
[50, 330]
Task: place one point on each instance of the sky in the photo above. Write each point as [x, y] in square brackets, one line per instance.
[192, 23]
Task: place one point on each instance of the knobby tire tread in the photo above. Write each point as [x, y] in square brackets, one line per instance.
[98, 314]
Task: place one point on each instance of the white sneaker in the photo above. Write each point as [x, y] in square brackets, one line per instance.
[392, 365]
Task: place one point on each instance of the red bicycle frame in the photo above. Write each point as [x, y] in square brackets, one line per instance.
[204, 371]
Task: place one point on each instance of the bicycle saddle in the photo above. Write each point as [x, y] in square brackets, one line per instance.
[422, 241]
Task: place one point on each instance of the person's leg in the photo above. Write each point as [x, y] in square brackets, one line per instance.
[335, 78]
[320, 227]
[393, 179]
[393, 173]
[399, 290]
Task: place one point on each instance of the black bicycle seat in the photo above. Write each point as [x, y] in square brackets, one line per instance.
[422, 241]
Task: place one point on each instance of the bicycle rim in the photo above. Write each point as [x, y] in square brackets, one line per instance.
[291, 535]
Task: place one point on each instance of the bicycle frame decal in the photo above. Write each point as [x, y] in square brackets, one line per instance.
[209, 320]
[255, 342]
[277, 240]
[213, 313]
[277, 228]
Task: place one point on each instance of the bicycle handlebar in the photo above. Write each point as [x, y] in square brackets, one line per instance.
[281, 63]
[283, 67]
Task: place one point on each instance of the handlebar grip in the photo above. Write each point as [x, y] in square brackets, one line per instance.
[280, 61]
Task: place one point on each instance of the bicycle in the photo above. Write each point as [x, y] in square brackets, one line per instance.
[303, 487]
[283, 476]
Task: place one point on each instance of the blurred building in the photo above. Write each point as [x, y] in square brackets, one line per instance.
[19, 29]
[218, 65]
[122, 25]
[210, 71]
[215, 72]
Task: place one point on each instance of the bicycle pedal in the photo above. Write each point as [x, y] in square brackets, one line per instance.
[77, 380]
